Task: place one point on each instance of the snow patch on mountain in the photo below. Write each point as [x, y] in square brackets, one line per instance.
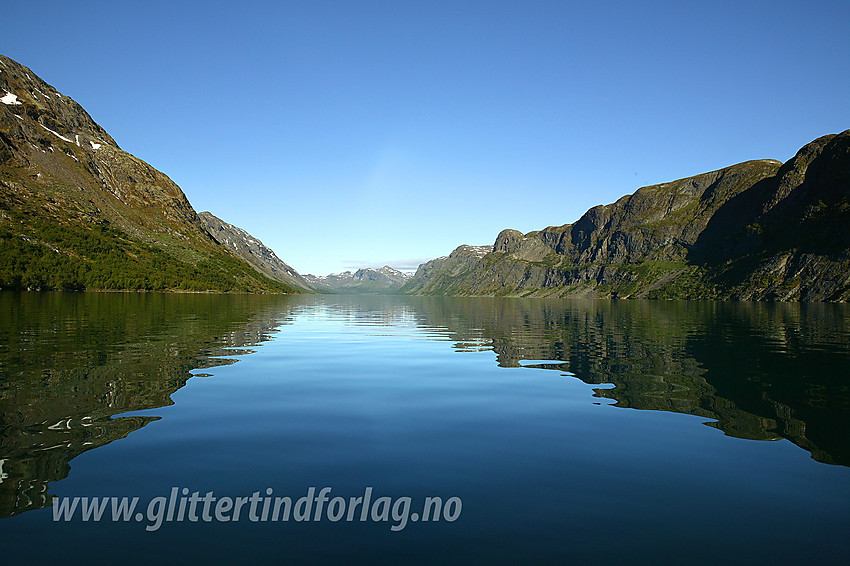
[9, 99]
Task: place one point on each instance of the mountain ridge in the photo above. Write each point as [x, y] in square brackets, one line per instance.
[366, 280]
[757, 230]
[253, 251]
[77, 212]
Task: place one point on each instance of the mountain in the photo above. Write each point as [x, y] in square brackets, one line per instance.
[252, 250]
[363, 281]
[759, 230]
[78, 212]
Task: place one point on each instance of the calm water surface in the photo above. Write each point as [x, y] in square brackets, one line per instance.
[572, 431]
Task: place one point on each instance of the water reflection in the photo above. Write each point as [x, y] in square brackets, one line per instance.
[761, 371]
[70, 363]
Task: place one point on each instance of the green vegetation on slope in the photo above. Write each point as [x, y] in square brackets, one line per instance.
[36, 253]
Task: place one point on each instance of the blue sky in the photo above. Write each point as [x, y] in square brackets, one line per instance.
[350, 133]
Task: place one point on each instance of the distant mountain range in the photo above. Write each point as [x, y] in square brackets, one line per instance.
[78, 212]
[759, 230]
[362, 281]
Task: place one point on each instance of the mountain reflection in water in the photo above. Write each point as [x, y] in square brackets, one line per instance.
[71, 364]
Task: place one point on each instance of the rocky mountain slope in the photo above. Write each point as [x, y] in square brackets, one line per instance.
[252, 250]
[363, 281]
[759, 230]
[78, 212]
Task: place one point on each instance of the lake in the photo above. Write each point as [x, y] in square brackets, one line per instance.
[552, 431]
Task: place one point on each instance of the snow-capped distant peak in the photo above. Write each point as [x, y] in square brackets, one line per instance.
[392, 272]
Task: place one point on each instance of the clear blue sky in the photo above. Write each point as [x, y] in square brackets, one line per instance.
[361, 133]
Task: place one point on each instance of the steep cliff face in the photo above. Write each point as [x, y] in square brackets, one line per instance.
[787, 238]
[363, 281]
[76, 211]
[252, 250]
[758, 230]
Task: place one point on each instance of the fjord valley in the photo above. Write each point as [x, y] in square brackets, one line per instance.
[77, 212]
[759, 230]
[424, 283]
